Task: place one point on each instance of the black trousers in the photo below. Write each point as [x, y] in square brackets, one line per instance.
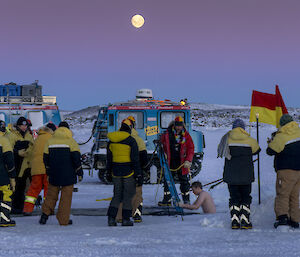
[240, 194]
[124, 191]
[18, 196]
[183, 180]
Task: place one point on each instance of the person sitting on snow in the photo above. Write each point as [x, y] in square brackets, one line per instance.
[204, 200]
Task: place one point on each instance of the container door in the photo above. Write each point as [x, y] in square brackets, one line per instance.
[139, 117]
[166, 117]
[37, 119]
[2, 116]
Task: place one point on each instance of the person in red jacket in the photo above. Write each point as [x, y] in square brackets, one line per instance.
[179, 148]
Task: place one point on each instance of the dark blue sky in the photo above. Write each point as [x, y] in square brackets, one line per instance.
[217, 51]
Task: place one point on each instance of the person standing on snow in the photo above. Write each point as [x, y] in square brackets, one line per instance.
[285, 146]
[123, 163]
[137, 201]
[62, 160]
[22, 143]
[7, 179]
[179, 148]
[39, 179]
[238, 148]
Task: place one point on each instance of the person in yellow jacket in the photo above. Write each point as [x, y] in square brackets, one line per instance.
[39, 179]
[7, 179]
[137, 201]
[123, 163]
[285, 146]
[62, 161]
[238, 148]
[22, 143]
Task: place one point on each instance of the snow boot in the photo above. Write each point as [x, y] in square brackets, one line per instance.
[112, 214]
[293, 224]
[5, 220]
[186, 197]
[245, 216]
[127, 222]
[126, 214]
[235, 216]
[43, 219]
[281, 220]
[111, 221]
[137, 216]
[27, 213]
[166, 201]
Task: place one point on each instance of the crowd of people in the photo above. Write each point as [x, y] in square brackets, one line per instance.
[52, 163]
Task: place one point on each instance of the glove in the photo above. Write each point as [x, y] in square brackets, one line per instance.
[139, 180]
[80, 178]
[13, 184]
[187, 164]
[22, 153]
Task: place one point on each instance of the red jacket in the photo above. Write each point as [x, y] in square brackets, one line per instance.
[186, 149]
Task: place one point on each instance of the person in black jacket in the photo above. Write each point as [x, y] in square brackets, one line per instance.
[123, 163]
[7, 181]
[62, 160]
[285, 147]
[239, 148]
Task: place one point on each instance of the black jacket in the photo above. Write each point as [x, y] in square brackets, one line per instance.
[7, 166]
[239, 170]
[285, 146]
[122, 155]
[62, 158]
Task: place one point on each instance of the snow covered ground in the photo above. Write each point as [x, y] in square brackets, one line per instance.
[197, 235]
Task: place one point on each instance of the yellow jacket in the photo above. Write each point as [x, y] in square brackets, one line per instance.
[37, 163]
[14, 136]
[285, 135]
[140, 142]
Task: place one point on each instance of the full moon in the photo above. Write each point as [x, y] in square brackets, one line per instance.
[137, 21]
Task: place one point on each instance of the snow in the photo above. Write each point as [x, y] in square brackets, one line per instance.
[197, 235]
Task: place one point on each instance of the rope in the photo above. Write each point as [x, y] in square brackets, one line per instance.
[86, 141]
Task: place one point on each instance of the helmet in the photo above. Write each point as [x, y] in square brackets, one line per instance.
[132, 120]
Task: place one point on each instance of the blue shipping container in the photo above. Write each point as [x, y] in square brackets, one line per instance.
[12, 90]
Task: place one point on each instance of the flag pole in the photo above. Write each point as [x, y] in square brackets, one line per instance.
[258, 169]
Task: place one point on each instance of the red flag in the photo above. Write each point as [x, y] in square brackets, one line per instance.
[268, 107]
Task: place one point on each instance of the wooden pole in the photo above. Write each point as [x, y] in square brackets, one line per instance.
[258, 166]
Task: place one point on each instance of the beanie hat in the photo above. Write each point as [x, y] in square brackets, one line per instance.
[126, 126]
[22, 121]
[63, 124]
[178, 121]
[285, 119]
[51, 126]
[238, 123]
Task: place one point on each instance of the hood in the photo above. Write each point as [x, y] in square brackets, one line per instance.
[290, 128]
[238, 134]
[63, 132]
[134, 132]
[117, 136]
[44, 130]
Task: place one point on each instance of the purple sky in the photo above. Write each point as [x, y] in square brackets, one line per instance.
[217, 51]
